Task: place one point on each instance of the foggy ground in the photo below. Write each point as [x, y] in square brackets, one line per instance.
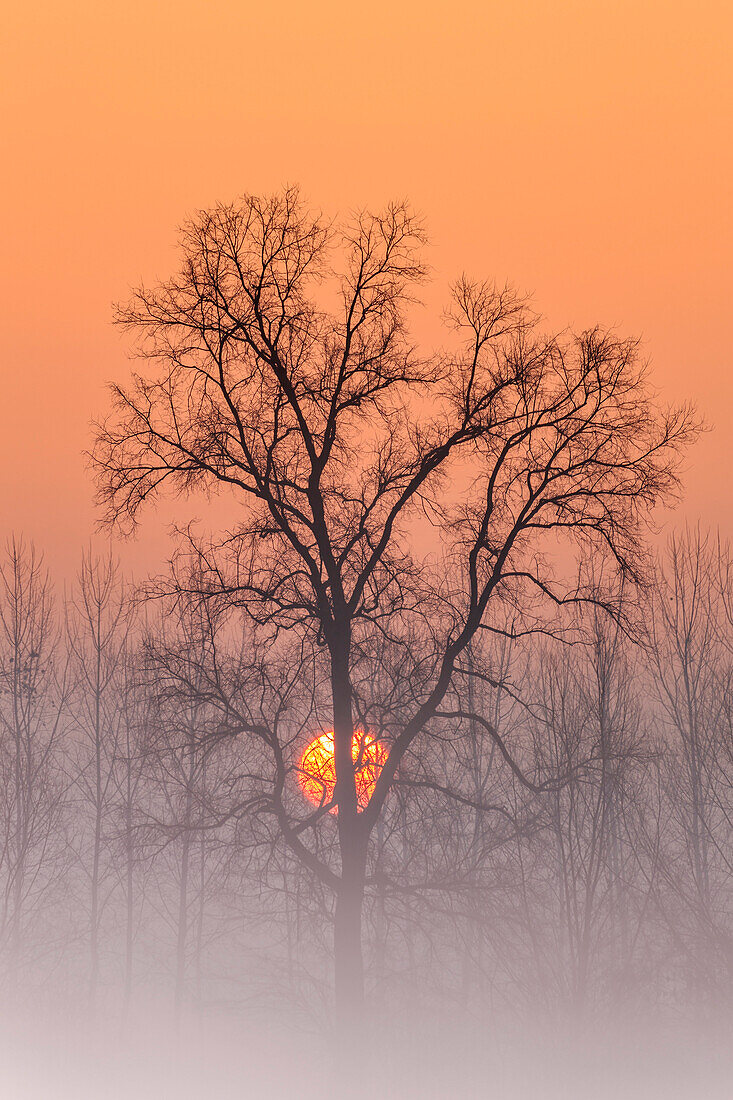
[226, 1059]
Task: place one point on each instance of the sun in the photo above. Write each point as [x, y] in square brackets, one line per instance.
[317, 771]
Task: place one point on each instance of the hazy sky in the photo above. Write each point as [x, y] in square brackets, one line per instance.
[580, 149]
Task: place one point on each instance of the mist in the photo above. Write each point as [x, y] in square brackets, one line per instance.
[555, 925]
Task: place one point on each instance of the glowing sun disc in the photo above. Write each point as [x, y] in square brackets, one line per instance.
[317, 770]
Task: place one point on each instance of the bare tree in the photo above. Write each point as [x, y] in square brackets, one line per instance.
[591, 731]
[335, 434]
[33, 697]
[98, 621]
[690, 646]
[186, 818]
[130, 773]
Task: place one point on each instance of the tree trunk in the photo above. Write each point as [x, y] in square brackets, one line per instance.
[348, 959]
[130, 896]
[353, 838]
[98, 813]
[182, 928]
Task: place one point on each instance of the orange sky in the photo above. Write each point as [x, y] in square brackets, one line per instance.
[581, 149]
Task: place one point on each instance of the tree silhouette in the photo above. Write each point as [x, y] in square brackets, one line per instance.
[280, 368]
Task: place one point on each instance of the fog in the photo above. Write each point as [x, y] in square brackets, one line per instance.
[562, 934]
[228, 1056]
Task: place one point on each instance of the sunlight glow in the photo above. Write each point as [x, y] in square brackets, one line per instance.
[317, 771]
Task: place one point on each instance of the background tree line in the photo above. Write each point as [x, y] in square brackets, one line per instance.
[565, 848]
